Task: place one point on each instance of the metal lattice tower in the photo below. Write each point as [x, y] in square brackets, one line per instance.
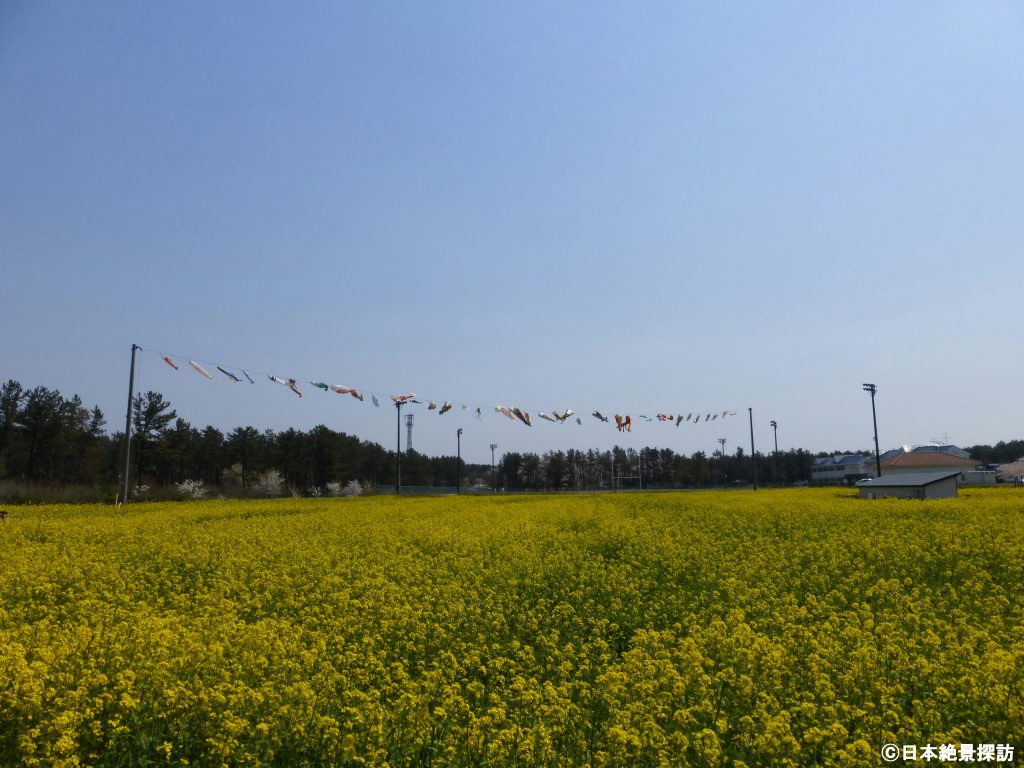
[408, 433]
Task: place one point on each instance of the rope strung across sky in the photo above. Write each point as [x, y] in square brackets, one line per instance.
[623, 423]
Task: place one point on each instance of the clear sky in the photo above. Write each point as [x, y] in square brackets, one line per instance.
[633, 207]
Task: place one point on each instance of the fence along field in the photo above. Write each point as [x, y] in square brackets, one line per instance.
[777, 628]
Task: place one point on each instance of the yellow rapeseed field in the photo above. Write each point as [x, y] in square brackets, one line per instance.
[770, 628]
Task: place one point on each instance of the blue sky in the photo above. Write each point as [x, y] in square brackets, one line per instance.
[684, 207]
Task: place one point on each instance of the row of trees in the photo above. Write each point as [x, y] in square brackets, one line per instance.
[647, 468]
[46, 439]
[1003, 452]
[49, 440]
[170, 450]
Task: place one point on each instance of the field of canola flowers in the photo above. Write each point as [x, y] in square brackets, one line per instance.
[776, 628]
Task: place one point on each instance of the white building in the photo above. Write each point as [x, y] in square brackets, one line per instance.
[839, 468]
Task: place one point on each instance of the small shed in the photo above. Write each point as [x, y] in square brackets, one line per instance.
[911, 485]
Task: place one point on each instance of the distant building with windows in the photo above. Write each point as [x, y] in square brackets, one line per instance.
[841, 468]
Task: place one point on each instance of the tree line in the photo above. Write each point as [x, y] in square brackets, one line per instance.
[49, 440]
[648, 468]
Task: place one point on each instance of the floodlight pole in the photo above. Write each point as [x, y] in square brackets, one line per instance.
[398, 447]
[753, 454]
[872, 389]
[458, 459]
[128, 430]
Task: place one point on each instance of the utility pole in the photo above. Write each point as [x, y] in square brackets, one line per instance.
[458, 458]
[493, 446]
[775, 456]
[721, 451]
[871, 389]
[128, 430]
[753, 454]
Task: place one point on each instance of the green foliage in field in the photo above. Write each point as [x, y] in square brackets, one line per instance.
[777, 628]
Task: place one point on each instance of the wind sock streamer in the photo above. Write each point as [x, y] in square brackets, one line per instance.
[199, 369]
[230, 375]
[622, 423]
